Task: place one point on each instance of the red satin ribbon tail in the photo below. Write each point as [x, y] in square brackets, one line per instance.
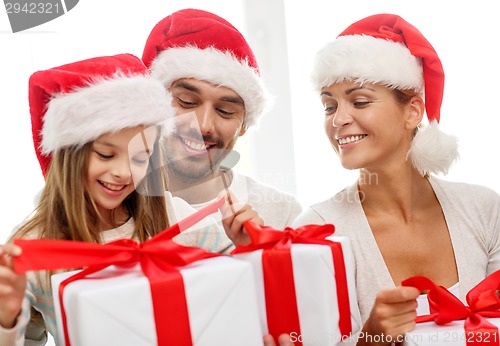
[191, 220]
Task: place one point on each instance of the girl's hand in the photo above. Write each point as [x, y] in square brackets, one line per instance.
[392, 315]
[12, 287]
[234, 214]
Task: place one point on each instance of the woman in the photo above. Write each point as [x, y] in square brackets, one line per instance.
[376, 81]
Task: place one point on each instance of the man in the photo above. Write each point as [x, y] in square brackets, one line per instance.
[213, 76]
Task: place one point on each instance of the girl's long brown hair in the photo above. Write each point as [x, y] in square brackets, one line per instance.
[66, 210]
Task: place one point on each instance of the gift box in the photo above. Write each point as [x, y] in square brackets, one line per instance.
[451, 322]
[114, 306]
[305, 283]
[450, 334]
[151, 293]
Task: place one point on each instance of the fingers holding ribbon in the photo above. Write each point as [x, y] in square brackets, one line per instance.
[12, 286]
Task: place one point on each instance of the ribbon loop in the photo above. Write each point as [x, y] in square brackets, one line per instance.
[486, 301]
[445, 307]
[265, 237]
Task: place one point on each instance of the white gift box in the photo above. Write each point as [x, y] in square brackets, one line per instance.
[450, 334]
[117, 308]
[315, 289]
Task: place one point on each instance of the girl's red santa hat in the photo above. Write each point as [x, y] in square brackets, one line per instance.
[385, 49]
[193, 43]
[74, 104]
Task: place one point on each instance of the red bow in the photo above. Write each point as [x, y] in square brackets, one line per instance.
[280, 289]
[159, 258]
[265, 237]
[483, 302]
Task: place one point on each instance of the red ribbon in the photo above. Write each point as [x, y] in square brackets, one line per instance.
[483, 302]
[278, 273]
[159, 258]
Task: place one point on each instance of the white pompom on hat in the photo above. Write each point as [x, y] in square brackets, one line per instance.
[193, 43]
[385, 49]
[74, 104]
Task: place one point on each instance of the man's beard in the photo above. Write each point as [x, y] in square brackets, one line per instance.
[186, 169]
[194, 167]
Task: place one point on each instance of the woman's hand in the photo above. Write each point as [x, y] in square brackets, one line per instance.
[12, 287]
[392, 315]
[283, 340]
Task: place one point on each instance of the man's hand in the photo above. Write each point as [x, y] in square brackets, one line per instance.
[234, 215]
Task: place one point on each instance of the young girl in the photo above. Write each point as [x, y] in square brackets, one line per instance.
[94, 129]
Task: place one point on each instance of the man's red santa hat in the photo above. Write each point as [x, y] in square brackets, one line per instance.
[387, 50]
[193, 43]
[74, 104]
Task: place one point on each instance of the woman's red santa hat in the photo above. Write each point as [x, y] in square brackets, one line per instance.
[193, 43]
[385, 49]
[74, 104]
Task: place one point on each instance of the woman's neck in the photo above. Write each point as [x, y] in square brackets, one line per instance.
[396, 192]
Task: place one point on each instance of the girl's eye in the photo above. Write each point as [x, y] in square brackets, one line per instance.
[103, 156]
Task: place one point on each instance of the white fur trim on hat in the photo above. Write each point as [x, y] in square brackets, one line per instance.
[433, 151]
[216, 67]
[366, 59]
[106, 105]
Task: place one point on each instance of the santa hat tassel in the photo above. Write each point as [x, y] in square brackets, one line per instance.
[432, 150]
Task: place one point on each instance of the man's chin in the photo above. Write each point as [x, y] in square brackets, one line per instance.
[191, 174]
